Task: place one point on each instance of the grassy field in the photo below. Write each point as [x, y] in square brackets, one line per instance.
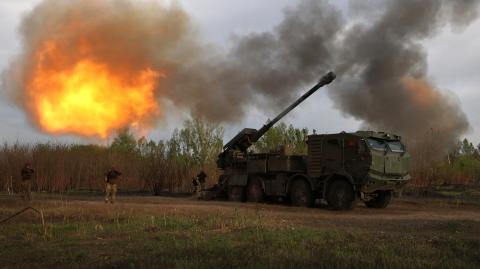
[152, 232]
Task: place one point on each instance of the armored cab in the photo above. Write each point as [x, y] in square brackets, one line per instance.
[337, 169]
[365, 164]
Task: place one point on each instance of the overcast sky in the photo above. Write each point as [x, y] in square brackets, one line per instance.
[453, 64]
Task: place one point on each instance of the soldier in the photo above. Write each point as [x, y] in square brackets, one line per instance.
[27, 176]
[195, 185]
[111, 184]
[201, 179]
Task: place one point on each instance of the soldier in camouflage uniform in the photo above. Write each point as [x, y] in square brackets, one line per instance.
[195, 185]
[201, 180]
[27, 177]
[111, 177]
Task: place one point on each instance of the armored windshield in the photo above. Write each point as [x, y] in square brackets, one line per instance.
[376, 144]
[381, 145]
[396, 146]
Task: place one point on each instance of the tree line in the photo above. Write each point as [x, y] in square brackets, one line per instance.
[460, 166]
[169, 165]
[157, 166]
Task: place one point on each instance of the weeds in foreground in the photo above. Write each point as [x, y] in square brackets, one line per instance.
[85, 235]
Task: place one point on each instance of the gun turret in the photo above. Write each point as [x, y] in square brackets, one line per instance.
[245, 138]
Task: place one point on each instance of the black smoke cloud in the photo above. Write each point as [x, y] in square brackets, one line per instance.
[381, 63]
[385, 70]
[380, 59]
[267, 66]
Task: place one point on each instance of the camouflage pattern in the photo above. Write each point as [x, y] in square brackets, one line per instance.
[338, 167]
[27, 174]
[201, 180]
[195, 186]
[111, 192]
[26, 190]
[371, 164]
[389, 170]
[111, 178]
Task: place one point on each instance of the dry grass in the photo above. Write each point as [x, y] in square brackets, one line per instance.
[146, 166]
[149, 232]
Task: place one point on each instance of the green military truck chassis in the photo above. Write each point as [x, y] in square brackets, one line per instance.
[338, 169]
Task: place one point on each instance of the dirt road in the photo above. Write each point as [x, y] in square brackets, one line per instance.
[153, 232]
[404, 213]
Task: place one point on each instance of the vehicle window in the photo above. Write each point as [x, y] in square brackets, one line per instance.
[396, 146]
[376, 144]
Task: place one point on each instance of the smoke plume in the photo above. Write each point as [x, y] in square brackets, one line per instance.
[381, 62]
[92, 67]
[385, 66]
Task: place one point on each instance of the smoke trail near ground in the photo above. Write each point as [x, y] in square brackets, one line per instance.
[380, 61]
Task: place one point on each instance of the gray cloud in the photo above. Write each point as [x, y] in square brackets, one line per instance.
[375, 61]
[386, 64]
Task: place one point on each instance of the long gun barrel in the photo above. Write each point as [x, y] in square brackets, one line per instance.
[243, 140]
[325, 80]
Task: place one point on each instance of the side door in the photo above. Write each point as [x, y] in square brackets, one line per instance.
[332, 153]
[357, 157]
[393, 159]
[377, 149]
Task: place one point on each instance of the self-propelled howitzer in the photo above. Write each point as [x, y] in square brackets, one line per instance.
[245, 138]
[337, 169]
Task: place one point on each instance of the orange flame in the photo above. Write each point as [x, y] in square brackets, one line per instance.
[87, 97]
[421, 92]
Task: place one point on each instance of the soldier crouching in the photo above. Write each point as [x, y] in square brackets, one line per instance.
[111, 178]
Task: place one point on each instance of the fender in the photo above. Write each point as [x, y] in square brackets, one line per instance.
[342, 174]
[296, 177]
[261, 178]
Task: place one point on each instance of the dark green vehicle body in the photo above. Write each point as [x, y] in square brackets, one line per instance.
[369, 161]
[339, 168]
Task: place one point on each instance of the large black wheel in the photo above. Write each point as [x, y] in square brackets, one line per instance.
[301, 194]
[340, 195]
[255, 193]
[236, 193]
[382, 200]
